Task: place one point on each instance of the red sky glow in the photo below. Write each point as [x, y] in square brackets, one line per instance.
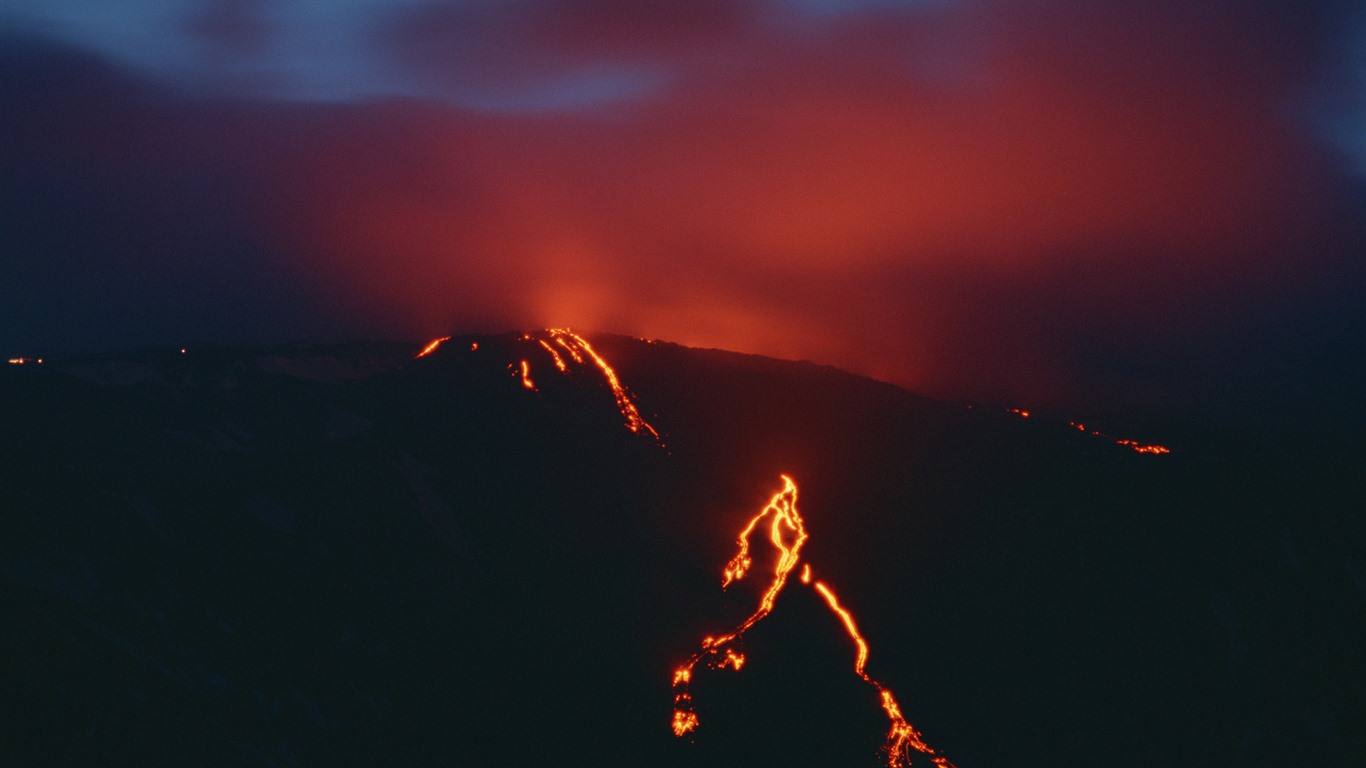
[1048, 202]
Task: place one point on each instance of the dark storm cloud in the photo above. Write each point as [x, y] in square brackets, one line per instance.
[1066, 202]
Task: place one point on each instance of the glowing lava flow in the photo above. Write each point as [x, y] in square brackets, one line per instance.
[555, 356]
[788, 534]
[562, 345]
[431, 346]
[1132, 445]
[527, 383]
[1141, 448]
[580, 351]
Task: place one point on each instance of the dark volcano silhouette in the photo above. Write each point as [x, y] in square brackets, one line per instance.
[339, 555]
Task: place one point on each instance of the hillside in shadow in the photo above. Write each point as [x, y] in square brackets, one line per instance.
[309, 555]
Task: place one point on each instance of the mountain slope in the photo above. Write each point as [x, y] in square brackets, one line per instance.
[343, 554]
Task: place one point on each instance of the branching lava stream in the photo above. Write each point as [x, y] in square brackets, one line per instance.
[564, 345]
[787, 532]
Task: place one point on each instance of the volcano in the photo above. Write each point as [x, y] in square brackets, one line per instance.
[497, 550]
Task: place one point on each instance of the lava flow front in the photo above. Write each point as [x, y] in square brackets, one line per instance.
[787, 532]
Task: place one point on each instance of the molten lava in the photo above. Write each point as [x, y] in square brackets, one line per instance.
[577, 349]
[1141, 448]
[563, 346]
[554, 356]
[432, 345]
[1133, 445]
[576, 344]
[787, 532]
[1130, 444]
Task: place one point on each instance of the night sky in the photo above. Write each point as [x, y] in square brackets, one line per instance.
[1152, 207]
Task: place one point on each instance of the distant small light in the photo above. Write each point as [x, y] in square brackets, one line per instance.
[474, 346]
[182, 350]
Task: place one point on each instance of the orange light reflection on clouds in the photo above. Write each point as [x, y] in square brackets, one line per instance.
[811, 197]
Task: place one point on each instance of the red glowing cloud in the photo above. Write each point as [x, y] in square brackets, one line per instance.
[1036, 201]
[818, 190]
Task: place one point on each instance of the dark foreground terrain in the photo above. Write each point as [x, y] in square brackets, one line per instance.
[341, 555]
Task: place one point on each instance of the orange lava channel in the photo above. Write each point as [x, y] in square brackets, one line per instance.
[431, 346]
[787, 533]
[1132, 445]
[526, 377]
[563, 344]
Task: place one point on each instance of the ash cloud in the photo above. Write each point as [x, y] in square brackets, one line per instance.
[1053, 203]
